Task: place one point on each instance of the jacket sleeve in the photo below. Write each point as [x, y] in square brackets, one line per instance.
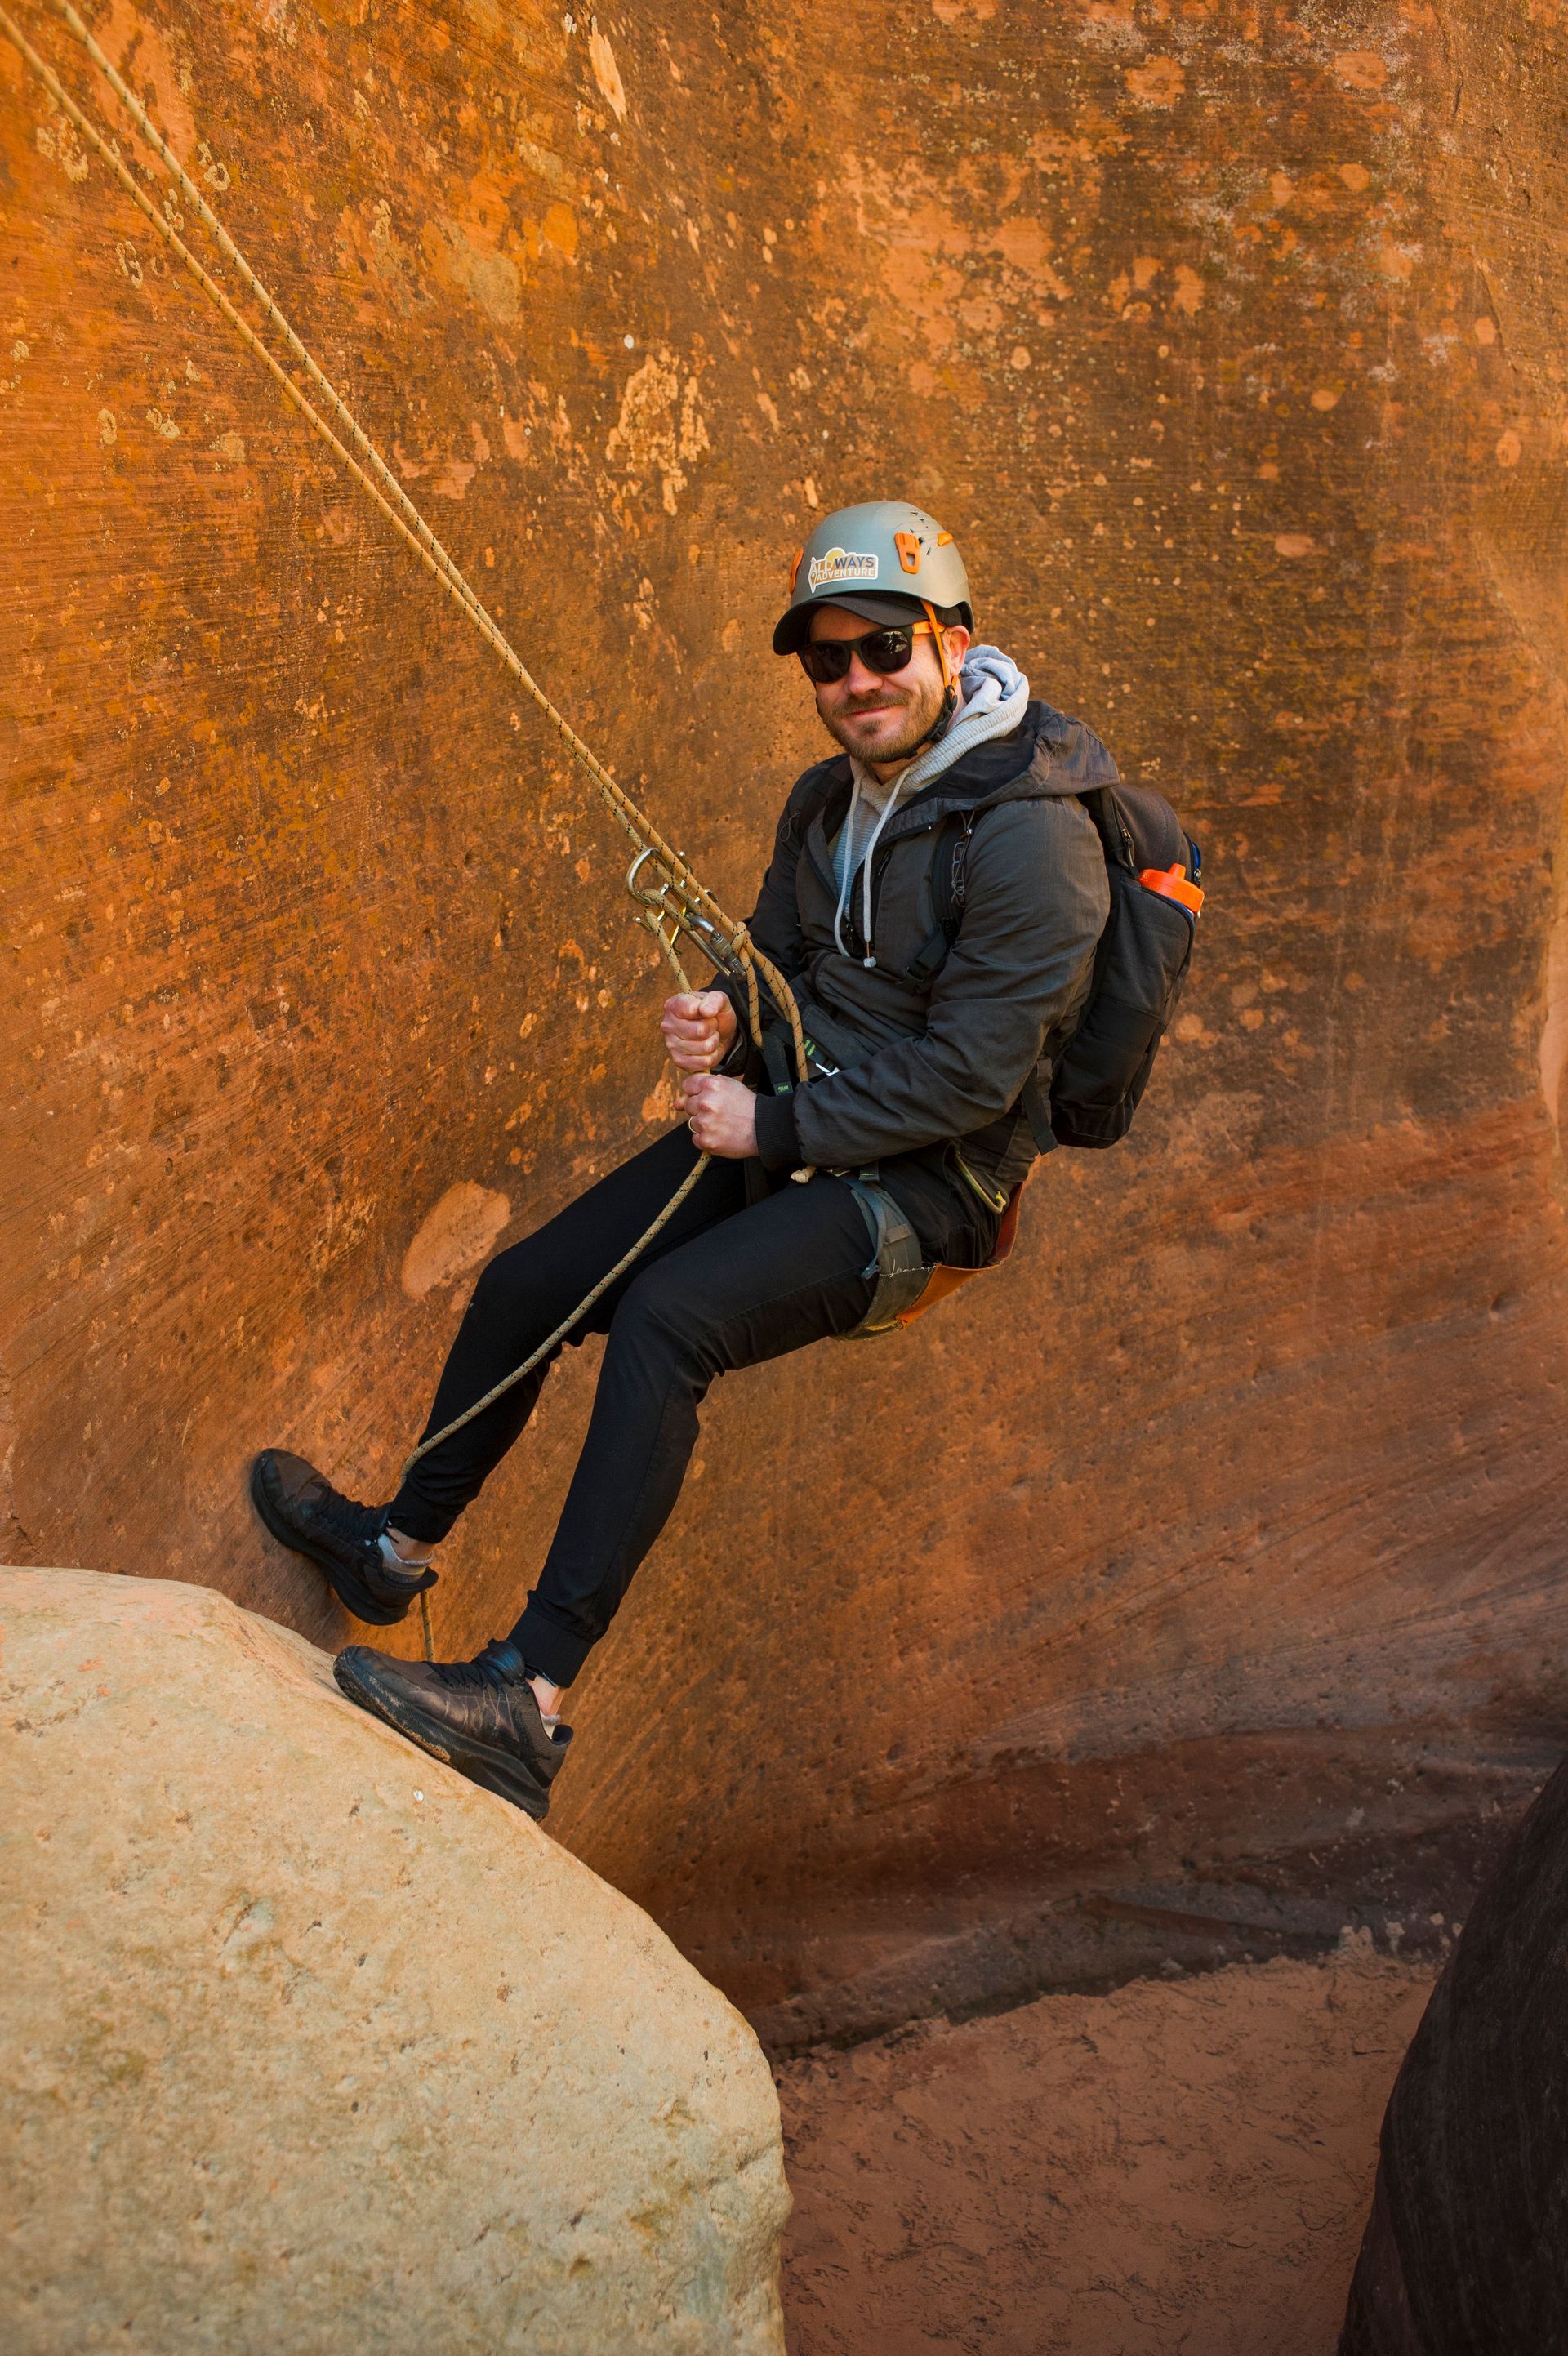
[1037, 900]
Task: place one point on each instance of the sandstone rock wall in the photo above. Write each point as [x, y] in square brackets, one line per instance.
[312, 2047]
[1199, 1561]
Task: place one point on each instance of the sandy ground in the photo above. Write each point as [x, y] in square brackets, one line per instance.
[1179, 2168]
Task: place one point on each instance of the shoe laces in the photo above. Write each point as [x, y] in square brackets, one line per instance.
[499, 1664]
[345, 1517]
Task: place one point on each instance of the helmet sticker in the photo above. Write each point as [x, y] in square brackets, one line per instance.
[840, 564]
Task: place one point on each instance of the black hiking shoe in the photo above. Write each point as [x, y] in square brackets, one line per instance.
[480, 1716]
[302, 1510]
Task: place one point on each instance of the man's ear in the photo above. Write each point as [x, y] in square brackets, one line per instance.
[957, 641]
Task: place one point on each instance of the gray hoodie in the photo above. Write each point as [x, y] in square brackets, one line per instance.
[993, 695]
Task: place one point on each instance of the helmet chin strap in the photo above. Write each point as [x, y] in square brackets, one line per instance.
[943, 721]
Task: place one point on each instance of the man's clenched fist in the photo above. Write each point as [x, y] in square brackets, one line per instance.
[699, 1029]
[721, 1115]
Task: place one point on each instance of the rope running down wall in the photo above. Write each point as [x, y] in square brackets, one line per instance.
[680, 885]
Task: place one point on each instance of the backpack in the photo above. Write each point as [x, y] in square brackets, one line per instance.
[1154, 868]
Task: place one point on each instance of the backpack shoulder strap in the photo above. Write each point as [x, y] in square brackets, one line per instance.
[827, 779]
[950, 872]
[1110, 825]
[949, 885]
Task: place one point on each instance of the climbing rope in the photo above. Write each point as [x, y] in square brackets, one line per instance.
[675, 900]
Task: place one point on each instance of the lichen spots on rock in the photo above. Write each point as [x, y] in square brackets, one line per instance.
[1160, 81]
[139, 47]
[482, 270]
[454, 1236]
[1362, 69]
[661, 433]
[368, 234]
[607, 73]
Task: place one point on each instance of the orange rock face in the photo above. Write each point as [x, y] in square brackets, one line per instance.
[1189, 1587]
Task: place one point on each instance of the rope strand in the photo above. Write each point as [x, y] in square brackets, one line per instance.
[398, 509]
[586, 1302]
[380, 486]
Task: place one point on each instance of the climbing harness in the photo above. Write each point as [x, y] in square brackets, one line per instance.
[908, 1284]
[896, 1262]
[670, 899]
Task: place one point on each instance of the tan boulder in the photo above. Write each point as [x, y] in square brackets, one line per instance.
[314, 2048]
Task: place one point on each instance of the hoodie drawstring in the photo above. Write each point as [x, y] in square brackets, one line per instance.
[888, 806]
[846, 846]
[849, 867]
[993, 696]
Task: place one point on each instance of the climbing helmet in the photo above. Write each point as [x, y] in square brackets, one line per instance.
[884, 560]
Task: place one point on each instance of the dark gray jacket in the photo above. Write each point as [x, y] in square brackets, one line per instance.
[922, 1064]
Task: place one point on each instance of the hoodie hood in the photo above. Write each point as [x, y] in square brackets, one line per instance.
[995, 695]
[1048, 757]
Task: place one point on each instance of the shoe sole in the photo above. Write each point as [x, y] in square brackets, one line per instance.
[493, 1771]
[351, 1594]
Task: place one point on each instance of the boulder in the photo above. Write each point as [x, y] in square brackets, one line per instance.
[1466, 2252]
[316, 2048]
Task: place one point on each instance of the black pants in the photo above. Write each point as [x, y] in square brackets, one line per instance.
[725, 1284]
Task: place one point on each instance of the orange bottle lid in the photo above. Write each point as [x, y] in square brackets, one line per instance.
[1171, 884]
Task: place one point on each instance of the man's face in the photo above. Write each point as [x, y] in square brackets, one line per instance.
[881, 720]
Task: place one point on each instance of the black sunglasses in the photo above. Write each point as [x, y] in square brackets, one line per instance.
[883, 651]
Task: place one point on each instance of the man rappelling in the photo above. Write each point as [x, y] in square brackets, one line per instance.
[936, 897]
[970, 938]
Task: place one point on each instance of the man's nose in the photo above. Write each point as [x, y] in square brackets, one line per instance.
[859, 678]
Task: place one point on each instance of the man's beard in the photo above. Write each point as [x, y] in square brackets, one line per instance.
[921, 717]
